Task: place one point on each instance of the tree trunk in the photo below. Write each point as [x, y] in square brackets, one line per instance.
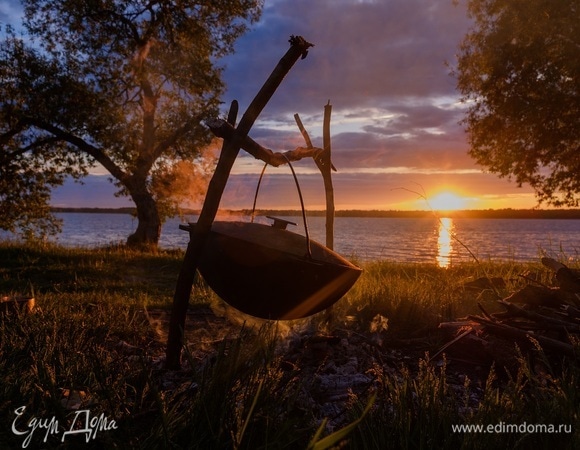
[149, 222]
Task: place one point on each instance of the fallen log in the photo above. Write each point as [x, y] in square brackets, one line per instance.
[515, 310]
[537, 296]
[545, 317]
[517, 333]
[569, 279]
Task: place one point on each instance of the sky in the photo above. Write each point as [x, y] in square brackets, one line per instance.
[384, 66]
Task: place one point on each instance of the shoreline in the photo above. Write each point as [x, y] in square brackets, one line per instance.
[507, 213]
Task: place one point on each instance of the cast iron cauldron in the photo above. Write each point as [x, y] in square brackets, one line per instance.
[272, 273]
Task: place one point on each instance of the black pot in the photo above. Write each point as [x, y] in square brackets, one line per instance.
[273, 273]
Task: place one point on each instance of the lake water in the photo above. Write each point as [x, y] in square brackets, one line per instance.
[397, 239]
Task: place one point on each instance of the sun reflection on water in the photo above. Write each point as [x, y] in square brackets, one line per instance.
[445, 242]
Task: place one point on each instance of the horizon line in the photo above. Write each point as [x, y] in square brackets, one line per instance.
[572, 213]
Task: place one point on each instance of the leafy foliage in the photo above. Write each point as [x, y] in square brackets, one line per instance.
[24, 196]
[121, 83]
[519, 72]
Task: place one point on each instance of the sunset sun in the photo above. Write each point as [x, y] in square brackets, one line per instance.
[447, 201]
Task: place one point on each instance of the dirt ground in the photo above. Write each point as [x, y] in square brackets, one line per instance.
[332, 366]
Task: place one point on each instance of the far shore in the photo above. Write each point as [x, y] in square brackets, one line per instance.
[507, 213]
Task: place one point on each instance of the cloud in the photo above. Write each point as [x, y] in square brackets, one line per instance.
[371, 190]
[397, 189]
[364, 53]
[382, 64]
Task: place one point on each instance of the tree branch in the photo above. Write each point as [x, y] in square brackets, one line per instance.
[223, 129]
[174, 137]
[5, 137]
[98, 154]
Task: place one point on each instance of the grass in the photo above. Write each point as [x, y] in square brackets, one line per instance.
[88, 342]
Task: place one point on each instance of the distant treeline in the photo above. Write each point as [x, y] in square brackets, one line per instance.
[507, 213]
[95, 210]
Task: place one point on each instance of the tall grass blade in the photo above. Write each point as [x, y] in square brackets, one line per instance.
[240, 434]
[338, 436]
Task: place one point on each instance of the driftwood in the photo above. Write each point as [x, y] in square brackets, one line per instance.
[536, 315]
[199, 235]
[224, 130]
[513, 331]
[569, 279]
[324, 164]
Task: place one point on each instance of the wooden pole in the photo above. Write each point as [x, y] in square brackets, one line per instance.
[324, 164]
[199, 233]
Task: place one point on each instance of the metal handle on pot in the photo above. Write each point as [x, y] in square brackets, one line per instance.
[307, 235]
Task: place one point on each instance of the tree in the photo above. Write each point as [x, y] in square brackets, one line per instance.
[519, 71]
[121, 83]
[25, 186]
